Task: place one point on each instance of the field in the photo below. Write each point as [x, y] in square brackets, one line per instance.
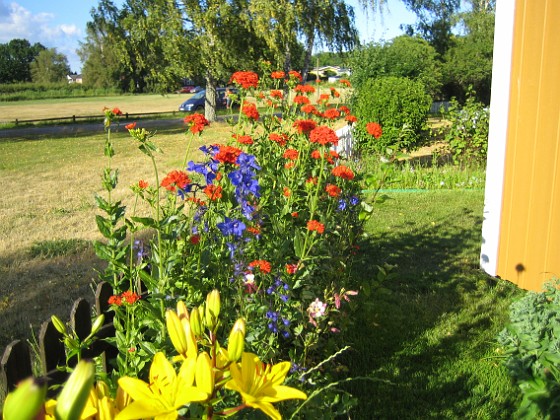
[424, 337]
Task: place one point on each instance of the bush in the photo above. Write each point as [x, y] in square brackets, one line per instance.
[531, 343]
[401, 107]
[467, 134]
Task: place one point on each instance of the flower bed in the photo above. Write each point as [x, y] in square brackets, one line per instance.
[271, 219]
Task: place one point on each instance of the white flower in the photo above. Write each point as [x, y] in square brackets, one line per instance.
[317, 308]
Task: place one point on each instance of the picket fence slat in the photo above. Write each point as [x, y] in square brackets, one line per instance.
[16, 362]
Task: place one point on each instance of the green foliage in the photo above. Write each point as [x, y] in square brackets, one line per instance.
[58, 247]
[49, 66]
[15, 59]
[404, 56]
[29, 91]
[467, 134]
[531, 343]
[401, 107]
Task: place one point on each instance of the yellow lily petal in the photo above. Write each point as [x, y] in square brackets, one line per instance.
[176, 332]
[283, 392]
[267, 409]
[142, 410]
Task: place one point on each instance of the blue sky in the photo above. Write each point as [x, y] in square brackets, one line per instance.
[61, 24]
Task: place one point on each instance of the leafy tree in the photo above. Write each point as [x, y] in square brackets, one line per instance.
[102, 66]
[15, 59]
[404, 56]
[49, 66]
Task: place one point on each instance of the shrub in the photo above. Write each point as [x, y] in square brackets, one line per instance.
[531, 343]
[467, 134]
[400, 105]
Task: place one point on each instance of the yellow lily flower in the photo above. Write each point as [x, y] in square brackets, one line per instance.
[181, 335]
[166, 392]
[260, 384]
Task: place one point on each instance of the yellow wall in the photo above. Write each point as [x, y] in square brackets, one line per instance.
[529, 242]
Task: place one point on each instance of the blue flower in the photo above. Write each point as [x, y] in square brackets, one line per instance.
[231, 227]
[354, 200]
[342, 204]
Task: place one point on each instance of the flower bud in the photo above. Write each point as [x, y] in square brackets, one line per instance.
[196, 323]
[25, 401]
[176, 332]
[58, 324]
[236, 341]
[182, 310]
[204, 376]
[212, 309]
[97, 324]
[74, 395]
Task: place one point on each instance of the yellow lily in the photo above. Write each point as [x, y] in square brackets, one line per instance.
[181, 335]
[165, 393]
[260, 384]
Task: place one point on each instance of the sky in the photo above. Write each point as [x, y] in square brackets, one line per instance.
[61, 24]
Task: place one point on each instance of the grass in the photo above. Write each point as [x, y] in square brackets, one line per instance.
[429, 334]
[426, 336]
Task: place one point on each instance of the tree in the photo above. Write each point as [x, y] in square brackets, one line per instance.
[102, 66]
[15, 59]
[49, 67]
[404, 56]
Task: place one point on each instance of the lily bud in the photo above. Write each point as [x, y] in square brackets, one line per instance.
[176, 332]
[204, 376]
[196, 323]
[212, 309]
[74, 395]
[97, 324]
[25, 401]
[236, 341]
[182, 310]
[58, 324]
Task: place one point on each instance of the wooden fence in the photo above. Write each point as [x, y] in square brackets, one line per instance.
[17, 361]
[97, 117]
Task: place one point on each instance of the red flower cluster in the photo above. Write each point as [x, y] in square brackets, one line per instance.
[304, 126]
[250, 110]
[130, 126]
[333, 190]
[291, 154]
[245, 79]
[309, 109]
[305, 89]
[262, 265]
[286, 192]
[281, 139]
[351, 118]
[345, 82]
[335, 93]
[196, 122]
[323, 135]
[314, 225]
[343, 172]
[374, 129]
[174, 180]
[291, 268]
[227, 154]
[278, 75]
[125, 297]
[302, 100]
[276, 94]
[344, 109]
[324, 97]
[295, 75]
[243, 139]
[142, 184]
[213, 192]
[331, 113]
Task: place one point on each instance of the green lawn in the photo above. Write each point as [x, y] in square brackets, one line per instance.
[429, 332]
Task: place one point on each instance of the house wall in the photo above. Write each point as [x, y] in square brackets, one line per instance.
[528, 238]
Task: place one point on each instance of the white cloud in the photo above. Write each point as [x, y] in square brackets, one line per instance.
[18, 22]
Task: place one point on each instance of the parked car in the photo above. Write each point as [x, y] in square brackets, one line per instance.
[196, 102]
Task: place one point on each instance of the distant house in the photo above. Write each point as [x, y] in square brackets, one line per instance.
[74, 78]
[325, 72]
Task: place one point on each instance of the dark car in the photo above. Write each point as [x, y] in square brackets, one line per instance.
[196, 102]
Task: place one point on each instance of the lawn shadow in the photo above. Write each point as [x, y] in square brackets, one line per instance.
[414, 332]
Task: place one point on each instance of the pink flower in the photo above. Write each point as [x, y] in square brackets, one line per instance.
[316, 309]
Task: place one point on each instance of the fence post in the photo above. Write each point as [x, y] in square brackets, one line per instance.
[16, 363]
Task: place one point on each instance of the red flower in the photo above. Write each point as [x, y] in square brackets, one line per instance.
[286, 192]
[116, 111]
[323, 135]
[130, 126]
[309, 109]
[245, 79]
[289, 165]
[276, 94]
[250, 110]
[333, 190]
[331, 113]
[291, 154]
[344, 109]
[324, 97]
[262, 265]
[291, 268]
[243, 139]
[130, 297]
[213, 192]
[227, 154]
[345, 82]
[304, 126]
[334, 93]
[255, 230]
[174, 180]
[305, 89]
[312, 180]
[196, 122]
[343, 172]
[142, 184]
[315, 154]
[281, 139]
[302, 100]
[374, 129]
[194, 239]
[295, 214]
[115, 300]
[196, 201]
[295, 75]
[351, 118]
[334, 154]
[278, 75]
[314, 225]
